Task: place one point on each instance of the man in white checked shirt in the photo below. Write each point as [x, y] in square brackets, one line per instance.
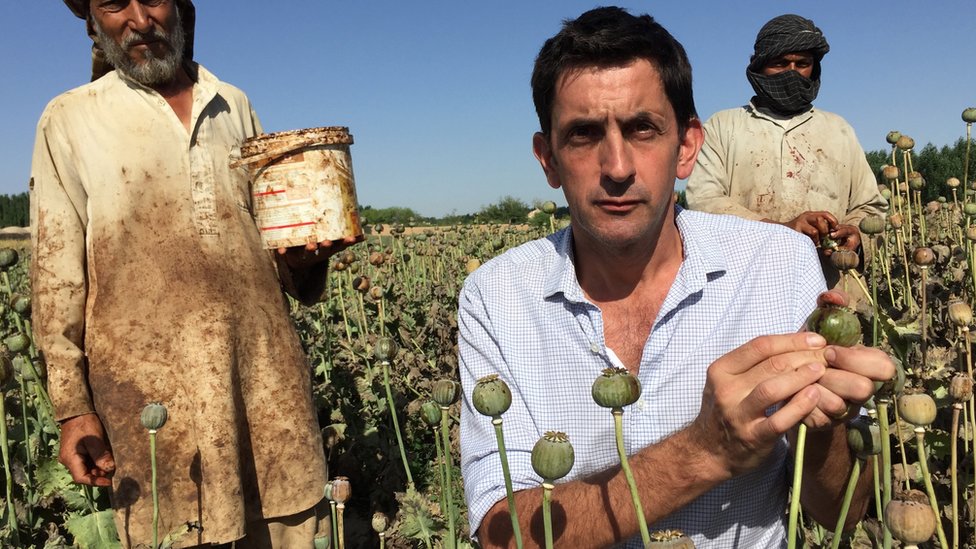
[684, 300]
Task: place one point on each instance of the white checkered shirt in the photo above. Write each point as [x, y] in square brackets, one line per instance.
[524, 317]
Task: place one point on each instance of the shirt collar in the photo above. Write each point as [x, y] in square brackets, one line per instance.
[778, 119]
[704, 256]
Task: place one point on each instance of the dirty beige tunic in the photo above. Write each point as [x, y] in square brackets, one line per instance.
[758, 165]
[151, 285]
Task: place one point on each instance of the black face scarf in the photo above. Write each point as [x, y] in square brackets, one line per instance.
[788, 92]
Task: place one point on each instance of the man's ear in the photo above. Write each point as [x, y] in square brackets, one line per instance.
[691, 143]
[543, 153]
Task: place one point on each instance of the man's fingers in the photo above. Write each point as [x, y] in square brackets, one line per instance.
[793, 411]
[868, 362]
[99, 454]
[779, 388]
[748, 355]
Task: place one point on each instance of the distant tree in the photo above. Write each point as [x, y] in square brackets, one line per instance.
[507, 210]
[394, 214]
[14, 210]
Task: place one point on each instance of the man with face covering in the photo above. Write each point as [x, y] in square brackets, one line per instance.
[779, 159]
[150, 284]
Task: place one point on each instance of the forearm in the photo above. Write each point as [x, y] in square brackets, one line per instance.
[598, 511]
[307, 285]
[827, 467]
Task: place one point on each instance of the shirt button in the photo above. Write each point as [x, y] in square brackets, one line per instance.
[594, 348]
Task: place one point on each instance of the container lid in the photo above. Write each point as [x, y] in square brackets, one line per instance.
[280, 143]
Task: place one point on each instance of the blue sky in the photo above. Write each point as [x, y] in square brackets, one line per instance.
[437, 96]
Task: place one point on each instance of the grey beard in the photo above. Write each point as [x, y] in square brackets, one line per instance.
[154, 70]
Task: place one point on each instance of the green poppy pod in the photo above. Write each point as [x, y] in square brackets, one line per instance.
[430, 413]
[339, 266]
[348, 257]
[915, 181]
[844, 260]
[952, 182]
[20, 303]
[491, 396]
[838, 325]
[911, 522]
[969, 115]
[961, 388]
[892, 137]
[969, 208]
[378, 228]
[828, 243]
[8, 258]
[17, 342]
[905, 143]
[616, 388]
[918, 409]
[446, 392]
[872, 224]
[548, 207]
[26, 369]
[386, 349]
[886, 194]
[376, 259]
[960, 313]
[895, 221]
[552, 456]
[971, 233]
[864, 437]
[379, 522]
[153, 416]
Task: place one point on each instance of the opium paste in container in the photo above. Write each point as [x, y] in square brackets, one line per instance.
[303, 186]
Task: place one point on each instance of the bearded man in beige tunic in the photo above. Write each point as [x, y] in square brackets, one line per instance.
[151, 284]
[781, 160]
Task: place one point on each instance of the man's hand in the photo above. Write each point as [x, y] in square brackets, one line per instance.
[813, 224]
[743, 384]
[847, 237]
[849, 380]
[303, 257]
[85, 451]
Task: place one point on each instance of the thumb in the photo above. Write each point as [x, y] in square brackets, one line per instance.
[100, 453]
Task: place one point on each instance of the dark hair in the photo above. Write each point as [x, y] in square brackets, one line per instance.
[606, 37]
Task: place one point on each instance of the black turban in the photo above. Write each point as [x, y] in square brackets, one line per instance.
[787, 92]
[100, 66]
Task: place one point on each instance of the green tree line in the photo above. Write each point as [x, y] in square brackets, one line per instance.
[14, 210]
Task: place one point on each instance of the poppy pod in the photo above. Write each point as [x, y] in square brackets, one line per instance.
[969, 115]
[844, 259]
[911, 522]
[960, 313]
[872, 224]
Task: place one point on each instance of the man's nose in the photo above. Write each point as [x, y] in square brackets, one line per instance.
[139, 19]
[616, 158]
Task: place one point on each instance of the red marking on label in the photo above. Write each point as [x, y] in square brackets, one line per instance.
[273, 191]
[789, 174]
[291, 226]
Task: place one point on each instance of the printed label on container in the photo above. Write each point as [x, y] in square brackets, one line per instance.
[283, 206]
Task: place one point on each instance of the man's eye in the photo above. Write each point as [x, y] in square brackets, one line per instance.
[581, 133]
